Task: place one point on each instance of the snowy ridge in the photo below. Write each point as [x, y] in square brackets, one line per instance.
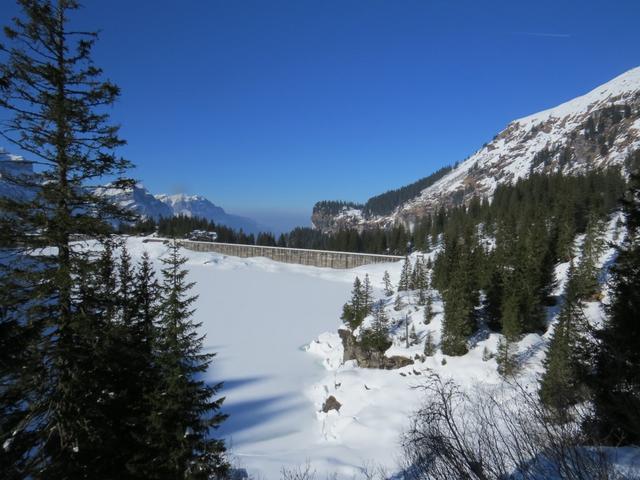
[620, 87]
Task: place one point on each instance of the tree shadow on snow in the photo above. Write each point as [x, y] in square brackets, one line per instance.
[235, 383]
[249, 414]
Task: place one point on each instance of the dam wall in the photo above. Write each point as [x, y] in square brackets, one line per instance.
[316, 258]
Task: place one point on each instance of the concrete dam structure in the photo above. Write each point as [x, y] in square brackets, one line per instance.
[316, 258]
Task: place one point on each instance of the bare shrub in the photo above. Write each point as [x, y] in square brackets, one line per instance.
[496, 434]
[301, 472]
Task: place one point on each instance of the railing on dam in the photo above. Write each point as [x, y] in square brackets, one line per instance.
[317, 258]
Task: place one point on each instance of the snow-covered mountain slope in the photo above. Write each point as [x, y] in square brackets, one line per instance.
[138, 200]
[199, 206]
[142, 202]
[596, 130]
[14, 170]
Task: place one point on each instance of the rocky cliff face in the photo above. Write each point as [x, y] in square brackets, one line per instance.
[329, 220]
[596, 130]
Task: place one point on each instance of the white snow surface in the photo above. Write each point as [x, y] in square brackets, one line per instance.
[274, 328]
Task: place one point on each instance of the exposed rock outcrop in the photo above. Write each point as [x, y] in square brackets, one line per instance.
[366, 358]
[331, 403]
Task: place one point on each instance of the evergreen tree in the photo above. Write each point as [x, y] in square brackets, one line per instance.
[413, 336]
[562, 384]
[54, 101]
[616, 380]
[428, 310]
[429, 345]
[420, 280]
[405, 276]
[146, 295]
[494, 297]
[459, 291]
[591, 250]
[143, 334]
[354, 311]
[398, 304]
[506, 358]
[125, 291]
[183, 410]
[388, 287]
[376, 338]
[367, 295]
[416, 277]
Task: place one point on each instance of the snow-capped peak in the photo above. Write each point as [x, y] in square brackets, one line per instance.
[621, 87]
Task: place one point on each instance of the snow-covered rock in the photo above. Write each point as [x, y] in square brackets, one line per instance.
[138, 200]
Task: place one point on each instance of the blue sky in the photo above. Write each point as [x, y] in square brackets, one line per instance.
[268, 106]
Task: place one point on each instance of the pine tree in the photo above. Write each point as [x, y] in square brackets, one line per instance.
[429, 345]
[125, 291]
[486, 354]
[428, 310]
[388, 287]
[415, 280]
[55, 102]
[420, 280]
[616, 380]
[398, 304]
[376, 338]
[146, 295]
[354, 311]
[459, 291]
[413, 336]
[142, 333]
[405, 276]
[562, 384]
[367, 295]
[591, 250]
[183, 410]
[506, 358]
